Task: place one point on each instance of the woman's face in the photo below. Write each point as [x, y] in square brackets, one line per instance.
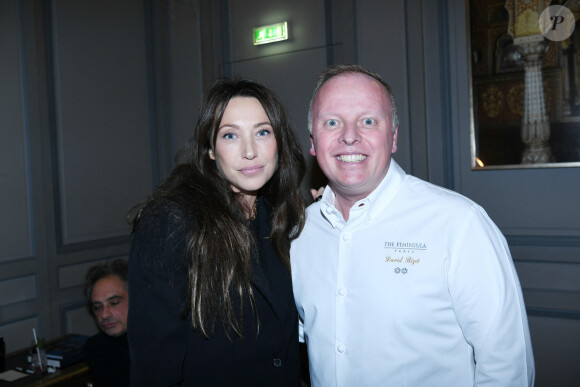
[245, 148]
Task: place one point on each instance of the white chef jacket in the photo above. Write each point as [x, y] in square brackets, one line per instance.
[418, 288]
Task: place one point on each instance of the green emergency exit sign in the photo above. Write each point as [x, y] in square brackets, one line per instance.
[271, 33]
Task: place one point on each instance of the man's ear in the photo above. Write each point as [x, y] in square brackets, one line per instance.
[312, 150]
[211, 155]
[396, 132]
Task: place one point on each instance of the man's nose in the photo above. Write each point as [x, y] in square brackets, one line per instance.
[105, 312]
[350, 134]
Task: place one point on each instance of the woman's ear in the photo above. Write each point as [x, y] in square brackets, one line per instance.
[211, 155]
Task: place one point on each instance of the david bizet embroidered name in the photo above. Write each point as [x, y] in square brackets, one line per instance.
[409, 260]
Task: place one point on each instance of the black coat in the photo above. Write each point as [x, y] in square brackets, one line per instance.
[164, 348]
[108, 360]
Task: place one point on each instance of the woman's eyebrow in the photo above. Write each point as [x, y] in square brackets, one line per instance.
[262, 124]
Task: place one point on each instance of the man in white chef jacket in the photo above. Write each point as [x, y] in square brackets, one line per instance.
[398, 282]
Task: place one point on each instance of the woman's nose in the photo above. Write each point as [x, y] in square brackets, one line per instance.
[249, 151]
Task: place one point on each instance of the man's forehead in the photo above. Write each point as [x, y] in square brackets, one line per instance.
[352, 78]
[108, 288]
[109, 299]
[352, 89]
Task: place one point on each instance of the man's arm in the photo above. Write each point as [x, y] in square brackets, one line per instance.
[488, 303]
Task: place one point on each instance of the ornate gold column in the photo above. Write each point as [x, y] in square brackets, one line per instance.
[524, 27]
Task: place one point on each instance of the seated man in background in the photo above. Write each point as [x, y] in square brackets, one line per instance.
[107, 352]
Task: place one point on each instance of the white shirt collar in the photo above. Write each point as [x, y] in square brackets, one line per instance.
[368, 206]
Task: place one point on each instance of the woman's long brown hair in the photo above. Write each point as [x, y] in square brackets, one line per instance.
[220, 243]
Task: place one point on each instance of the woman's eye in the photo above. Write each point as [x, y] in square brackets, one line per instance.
[229, 136]
[332, 123]
[264, 132]
[368, 121]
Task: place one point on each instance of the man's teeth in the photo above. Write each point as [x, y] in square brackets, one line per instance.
[351, 158]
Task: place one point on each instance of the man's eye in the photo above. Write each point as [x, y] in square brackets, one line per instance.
[96, 309]
[332, 123]
[368, 121]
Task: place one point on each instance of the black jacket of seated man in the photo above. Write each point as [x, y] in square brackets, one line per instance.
[108, 358]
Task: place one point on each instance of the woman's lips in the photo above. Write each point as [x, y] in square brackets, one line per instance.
[251, 171]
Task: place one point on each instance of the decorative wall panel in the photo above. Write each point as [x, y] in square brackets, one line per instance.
[102, 118]
[18, 334]
[15, 209]
[27, 290]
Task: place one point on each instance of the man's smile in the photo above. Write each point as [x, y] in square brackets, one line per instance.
[351, 158]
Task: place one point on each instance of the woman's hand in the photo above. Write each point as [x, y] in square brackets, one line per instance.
[317, 194]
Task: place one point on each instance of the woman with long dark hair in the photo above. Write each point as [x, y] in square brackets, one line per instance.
[209, 271]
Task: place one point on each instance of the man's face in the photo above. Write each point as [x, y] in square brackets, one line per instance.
[352, 136]
[110, 303]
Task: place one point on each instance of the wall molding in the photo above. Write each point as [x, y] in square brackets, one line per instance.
[543, 240]
[67, 308]
[92, 244]
[554, 313]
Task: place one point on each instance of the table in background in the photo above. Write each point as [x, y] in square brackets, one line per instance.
[75, 375]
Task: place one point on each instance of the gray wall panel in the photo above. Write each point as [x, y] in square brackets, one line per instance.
[74, 275]
[185, 72]
[18, 334]
[553, 250]
[15, 209]
[27, 290]
[76, 318]
[80, 321]
[103, 159]
[548, 275]
[556, 351]
[555, 301]
[528, 201]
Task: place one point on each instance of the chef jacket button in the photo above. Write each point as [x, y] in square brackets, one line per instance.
[346, 237]
[340, 348]
[328, 210]
[341, 291]
[277, 362]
